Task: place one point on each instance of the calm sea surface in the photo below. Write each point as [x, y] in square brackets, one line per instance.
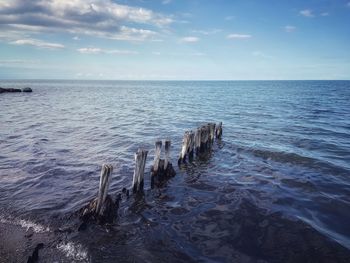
[275, 188]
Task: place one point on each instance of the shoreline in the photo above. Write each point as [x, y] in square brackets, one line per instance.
[18, 243]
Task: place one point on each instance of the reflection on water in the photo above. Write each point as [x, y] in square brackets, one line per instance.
[276, 188]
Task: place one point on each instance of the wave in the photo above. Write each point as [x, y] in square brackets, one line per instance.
[297, 159]
[37, 228]
[74, 251]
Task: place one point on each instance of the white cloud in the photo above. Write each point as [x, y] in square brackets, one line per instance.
[325, 14]
[289, 29]
[165, 2]
[76, 38]
[93, 50]
[16, 62]
[238, 36]
[37, 43]
[348, 4]
[306, 13]
[156, 53]
[102, 18]
[207, 32]
[89, 50]
[189, 39]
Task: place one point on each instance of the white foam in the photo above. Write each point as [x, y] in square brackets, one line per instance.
[74, 251]
[25, 224]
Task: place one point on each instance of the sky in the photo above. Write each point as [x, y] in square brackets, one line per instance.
[175, 39]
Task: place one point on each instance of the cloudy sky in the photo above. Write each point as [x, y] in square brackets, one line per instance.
[175, 39]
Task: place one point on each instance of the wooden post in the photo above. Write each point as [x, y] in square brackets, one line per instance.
[162, 168]
[191, 144]
[140, 162]
[185, 146]
[204, 137]
[197, 139]
[103, 189]
[157, 155]
[218, 131]
[212, 132]
[167, 160]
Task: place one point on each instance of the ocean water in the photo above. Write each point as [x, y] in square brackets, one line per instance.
[275, 188]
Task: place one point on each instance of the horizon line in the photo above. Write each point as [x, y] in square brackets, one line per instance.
[72, 79]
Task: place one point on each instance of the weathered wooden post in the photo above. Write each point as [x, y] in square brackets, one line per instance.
[104, 185]
[212, 132]
[162, 168]
[218, 131]
[167, 159]
[101, 209]
[191, 145]
[204, 138]
[140, 162]
[197, 139]
[157, 155]
[185, 146]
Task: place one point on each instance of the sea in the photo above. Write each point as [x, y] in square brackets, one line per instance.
[274, 188]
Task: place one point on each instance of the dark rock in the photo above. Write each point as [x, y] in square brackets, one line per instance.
[3, 90]
[27, 89]
[29, 233]
[82, 227]
[35, 256]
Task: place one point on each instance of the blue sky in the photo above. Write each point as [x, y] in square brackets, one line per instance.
[174, 39]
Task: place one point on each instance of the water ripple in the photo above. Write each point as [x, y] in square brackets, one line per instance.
[281, 169]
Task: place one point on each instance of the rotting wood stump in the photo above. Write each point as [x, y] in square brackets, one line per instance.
[140, 163]
[186, 142]
[199, 141]
[218, 131]
[162, 169]
[102, 209]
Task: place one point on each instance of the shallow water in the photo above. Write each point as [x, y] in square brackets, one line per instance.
[276, 187]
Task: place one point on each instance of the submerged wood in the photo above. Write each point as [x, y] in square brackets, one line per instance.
[102, 209]
[218, 131]
[140, 162]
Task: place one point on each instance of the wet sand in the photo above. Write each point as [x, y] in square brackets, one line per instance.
[18, 243]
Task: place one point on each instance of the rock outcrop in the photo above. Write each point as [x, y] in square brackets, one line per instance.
[11, 90]
[27, 89]
[3, 90]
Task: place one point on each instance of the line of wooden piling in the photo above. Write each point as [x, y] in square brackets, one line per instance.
[101, 209]
[199, 141]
